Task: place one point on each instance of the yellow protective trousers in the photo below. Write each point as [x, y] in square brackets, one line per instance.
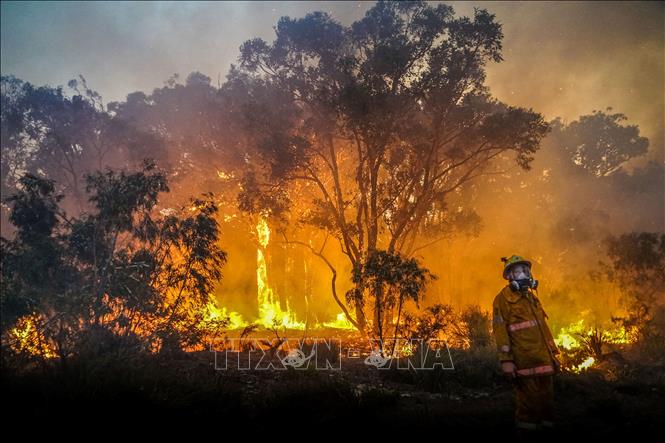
[534, 399]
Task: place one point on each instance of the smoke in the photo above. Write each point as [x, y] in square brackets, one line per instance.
[563, 59]
[566, 59]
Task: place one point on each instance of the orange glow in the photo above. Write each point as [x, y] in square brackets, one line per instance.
[26, 337]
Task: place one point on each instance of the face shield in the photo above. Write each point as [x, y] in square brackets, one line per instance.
[520, 272]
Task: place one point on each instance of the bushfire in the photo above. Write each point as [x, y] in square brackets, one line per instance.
[584, 346]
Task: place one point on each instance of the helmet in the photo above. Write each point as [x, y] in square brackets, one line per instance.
[513, 260]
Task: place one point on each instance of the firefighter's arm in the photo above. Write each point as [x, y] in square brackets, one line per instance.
[500, 330]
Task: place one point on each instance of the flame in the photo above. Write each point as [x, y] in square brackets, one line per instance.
[271, 313]
[224, 175]
[586, 364]
[567, 336]
[575, 338]
[263, 233]
[340, 322]
[215, 313]
[27, 338]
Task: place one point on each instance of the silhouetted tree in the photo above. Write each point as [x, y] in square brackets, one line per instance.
[600, 144]
[389, 280]
[49, 134]
[119, 269]
[381, 121]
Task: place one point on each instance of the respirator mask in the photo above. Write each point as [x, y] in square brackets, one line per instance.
[521, 279]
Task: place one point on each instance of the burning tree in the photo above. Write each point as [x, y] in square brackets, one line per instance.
[376, 126]
[638, 267]
[120, 274]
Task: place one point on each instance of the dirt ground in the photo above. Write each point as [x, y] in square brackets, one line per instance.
[188, 392]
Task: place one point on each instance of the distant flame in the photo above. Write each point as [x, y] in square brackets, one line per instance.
[271, 313]
[27, 338]
[215, 313]
[340, 322]
[224, 175]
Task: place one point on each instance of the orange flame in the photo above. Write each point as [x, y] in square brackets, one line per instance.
[271, 313]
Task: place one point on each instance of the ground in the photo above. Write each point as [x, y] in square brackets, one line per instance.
[187, 391]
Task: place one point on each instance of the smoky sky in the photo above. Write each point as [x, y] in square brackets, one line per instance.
[563, 59]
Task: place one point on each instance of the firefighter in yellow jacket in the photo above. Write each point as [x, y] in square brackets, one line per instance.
[526, 347]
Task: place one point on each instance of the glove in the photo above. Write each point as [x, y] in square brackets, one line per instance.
[508, 368]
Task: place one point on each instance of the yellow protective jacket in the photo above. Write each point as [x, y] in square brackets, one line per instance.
[522, 334]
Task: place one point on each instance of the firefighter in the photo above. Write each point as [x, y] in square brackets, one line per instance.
[527, 351]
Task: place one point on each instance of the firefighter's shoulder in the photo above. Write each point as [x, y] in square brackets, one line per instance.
[504, 295]
[500, 303]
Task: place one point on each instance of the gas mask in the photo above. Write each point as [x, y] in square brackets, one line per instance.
[521, 279]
